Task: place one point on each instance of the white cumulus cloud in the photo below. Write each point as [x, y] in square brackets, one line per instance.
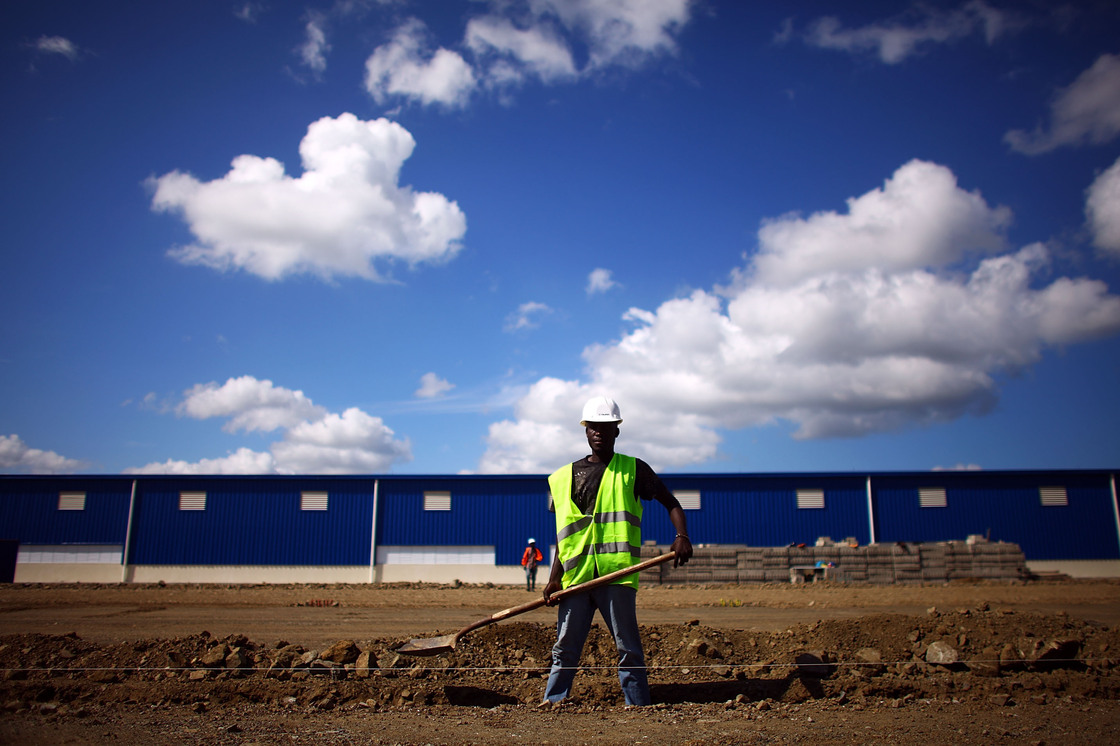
[432, 386]
[346, 215]
[1085, 112]
[406, 67]
[912, 32]
[843, 324]
[313, 51]
[250, 404]
[59, 45]
[514, 42]
[623, 32]
[1103, 210]
[313, 441]
[241, 461]
[353, 442]
[600, 281]
[536, 51]
[16, 457]
[527, 316]
[919, 218]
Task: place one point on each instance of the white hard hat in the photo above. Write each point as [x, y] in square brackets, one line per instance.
[600, 409]
[532, 541]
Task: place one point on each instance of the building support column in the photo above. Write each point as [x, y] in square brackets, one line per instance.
[128, 534]
[870, 512]
[1115, 507]
[373, 534]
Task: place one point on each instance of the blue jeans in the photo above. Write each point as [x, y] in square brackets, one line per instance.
[616, 604]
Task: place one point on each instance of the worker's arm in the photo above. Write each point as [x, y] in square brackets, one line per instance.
[554, 577]
[682, 545]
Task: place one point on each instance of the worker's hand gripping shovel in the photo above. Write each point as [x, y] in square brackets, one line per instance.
[446, 643]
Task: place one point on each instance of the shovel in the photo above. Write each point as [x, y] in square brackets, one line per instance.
[446, 643]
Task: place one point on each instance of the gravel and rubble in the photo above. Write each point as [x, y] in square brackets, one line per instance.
[958, 664]
[771, 663]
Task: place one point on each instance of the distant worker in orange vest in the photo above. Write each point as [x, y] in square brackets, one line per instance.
[529, 561]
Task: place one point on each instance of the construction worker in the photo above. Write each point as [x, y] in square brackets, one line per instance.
[598, 505]
[529, 560]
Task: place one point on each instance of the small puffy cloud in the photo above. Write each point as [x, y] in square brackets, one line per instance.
[919, 218]
[241, 461]
[16, 457]
[313, 51]
[620, 33]
[432, 386]
[519, 52]
[349, 443]
[959, 467]
[1085, 112]
[527, 316]
[346, 215]
[314, 441]
[250, 404]
[909, 34]
[512, 43]
[1102, 207]
[901, 312]
[546, 430]
[59, 45]
[405, 67]
[600, 281]
[250, 11]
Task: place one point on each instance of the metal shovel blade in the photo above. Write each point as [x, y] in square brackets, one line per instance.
[430, 646]
[424, 646]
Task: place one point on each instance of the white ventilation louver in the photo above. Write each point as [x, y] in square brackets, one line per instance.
[437, 501]
[810, 499]
[313, 501]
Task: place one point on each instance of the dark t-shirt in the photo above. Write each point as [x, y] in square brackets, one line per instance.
[587, 475]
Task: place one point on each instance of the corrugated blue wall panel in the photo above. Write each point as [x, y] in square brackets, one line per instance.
[762, 510]
[502, 512]
[253, 521]
[256, 520]
[29, 510]
[1006, 507]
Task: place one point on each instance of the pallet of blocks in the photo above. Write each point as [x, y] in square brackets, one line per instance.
[749, 565]
[851, 565]
[652, 575]
[724, 562]
[934, 562]
[997, 561]
[907, 563]
[775, 564]
[880, 563]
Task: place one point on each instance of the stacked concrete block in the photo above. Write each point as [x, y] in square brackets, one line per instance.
[852, 564]
[880, 563]
[826, 554]
[958, 560]
[749, 565]
[997, 561]
[652, 576]
[775, 564]
[935, 567]
[907, 563]
[877, 563]
[724, 561]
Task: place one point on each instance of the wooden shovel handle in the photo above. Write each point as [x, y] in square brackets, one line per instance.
[570, 591]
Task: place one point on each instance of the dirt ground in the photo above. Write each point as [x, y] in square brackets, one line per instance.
[1030, 663]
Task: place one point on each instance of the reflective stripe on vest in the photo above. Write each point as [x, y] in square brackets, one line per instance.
[611, 537]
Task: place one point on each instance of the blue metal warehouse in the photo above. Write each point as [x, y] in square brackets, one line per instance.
[473, 528]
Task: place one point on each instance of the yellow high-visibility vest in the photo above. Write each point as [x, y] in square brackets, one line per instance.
[611, 537]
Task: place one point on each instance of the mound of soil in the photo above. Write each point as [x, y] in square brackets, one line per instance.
[976, 660]
[770, 663]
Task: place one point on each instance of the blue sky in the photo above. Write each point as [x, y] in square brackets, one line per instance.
[406, 237]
